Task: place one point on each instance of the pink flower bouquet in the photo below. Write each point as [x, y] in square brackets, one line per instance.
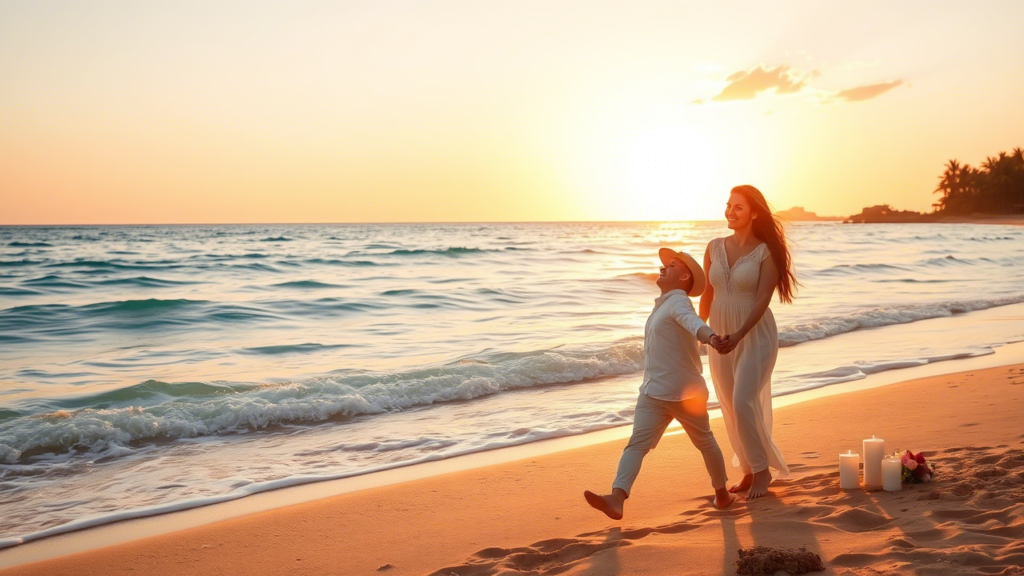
[915, 468]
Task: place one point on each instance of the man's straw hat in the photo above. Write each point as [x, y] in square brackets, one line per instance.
[667, 255]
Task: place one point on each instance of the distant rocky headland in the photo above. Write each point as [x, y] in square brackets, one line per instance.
[798, 214]
[883, 213]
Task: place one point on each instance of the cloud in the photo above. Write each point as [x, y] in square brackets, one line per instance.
[783, 79]
[865, 92]
[747, 84]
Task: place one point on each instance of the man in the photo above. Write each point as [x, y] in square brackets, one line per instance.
[673, 386]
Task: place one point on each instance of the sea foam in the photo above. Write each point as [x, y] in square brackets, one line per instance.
[832, 325]
[160, 410]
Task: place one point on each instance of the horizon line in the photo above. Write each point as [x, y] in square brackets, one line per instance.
[359, 223]
[824, 219]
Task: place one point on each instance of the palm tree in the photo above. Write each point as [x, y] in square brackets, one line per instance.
[1017, 186]
[1001, 181]
[949, 186]
[990, 184]
[997, 186]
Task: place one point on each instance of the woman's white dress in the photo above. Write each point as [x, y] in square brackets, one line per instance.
[742, 378]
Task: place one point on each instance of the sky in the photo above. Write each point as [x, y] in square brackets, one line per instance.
[431, 111]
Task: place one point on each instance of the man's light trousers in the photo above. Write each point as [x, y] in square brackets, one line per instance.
[652, 418]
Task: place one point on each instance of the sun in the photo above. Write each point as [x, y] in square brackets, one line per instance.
[672, 173]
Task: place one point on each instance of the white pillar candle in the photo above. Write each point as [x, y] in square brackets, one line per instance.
[849, 470]
[873, 451]
[892, 474]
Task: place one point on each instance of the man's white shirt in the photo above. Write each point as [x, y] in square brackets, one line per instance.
[672, 366]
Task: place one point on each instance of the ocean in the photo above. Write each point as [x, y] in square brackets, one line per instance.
[145, 369]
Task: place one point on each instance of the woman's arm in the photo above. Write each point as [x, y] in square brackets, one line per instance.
[766, 284]
[709, 293]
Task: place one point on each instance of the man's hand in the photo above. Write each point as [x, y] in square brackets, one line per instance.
[722, 344]
[716, 342]
[728, 343]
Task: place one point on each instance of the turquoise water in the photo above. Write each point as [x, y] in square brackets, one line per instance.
[155, 367]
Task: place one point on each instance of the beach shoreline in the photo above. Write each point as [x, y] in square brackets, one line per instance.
[352, 499]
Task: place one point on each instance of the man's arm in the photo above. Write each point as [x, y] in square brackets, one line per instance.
[685, 316]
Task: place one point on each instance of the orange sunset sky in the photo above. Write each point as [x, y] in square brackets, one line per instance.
[391, 111]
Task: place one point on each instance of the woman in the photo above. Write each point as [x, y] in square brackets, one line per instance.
[743, 271]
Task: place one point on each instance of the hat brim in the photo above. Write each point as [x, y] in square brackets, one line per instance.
[699, 282]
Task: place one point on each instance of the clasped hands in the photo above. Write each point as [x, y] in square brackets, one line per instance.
[723, 344]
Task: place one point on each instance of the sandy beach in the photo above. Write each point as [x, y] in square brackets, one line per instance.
[528, 516]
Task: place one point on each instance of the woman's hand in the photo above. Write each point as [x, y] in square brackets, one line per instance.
[728, 343]
[715, 342]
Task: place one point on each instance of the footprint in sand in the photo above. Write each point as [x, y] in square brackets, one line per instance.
[970, 520]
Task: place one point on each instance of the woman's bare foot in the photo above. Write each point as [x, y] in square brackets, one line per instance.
[723, 498]
[759, 486]
[611, 504]
[743, 485]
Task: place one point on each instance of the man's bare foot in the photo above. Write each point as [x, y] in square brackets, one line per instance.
[759, 486]
[743, 485]
[723, 498]
[611, 504]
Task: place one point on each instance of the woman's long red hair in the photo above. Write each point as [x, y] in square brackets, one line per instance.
[768, 229]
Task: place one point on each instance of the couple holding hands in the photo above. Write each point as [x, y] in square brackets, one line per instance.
[743, 272]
